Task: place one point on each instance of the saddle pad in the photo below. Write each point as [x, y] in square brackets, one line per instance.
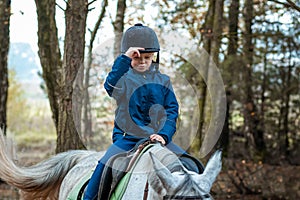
[74, 194]
[122, 185]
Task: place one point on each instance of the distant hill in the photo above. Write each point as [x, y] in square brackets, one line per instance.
[24, 61]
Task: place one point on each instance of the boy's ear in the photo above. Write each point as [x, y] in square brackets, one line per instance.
[155, 57]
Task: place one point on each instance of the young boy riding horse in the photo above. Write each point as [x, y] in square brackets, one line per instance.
[146, 103]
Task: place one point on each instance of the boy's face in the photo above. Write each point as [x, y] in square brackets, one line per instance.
[142, 63]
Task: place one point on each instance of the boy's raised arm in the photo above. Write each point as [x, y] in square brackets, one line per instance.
[119, 68]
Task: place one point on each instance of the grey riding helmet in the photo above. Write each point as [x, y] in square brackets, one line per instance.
[141, 36]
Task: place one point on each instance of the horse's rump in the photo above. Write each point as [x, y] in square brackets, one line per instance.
[40, 181]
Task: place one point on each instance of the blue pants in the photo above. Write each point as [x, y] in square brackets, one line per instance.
[121, 144]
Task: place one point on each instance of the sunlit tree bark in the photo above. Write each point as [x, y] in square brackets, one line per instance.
[73, 59]
[49, 53]
[119, 26]
[59, 75]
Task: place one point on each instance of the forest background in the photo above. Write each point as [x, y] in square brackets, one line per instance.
[253, 43]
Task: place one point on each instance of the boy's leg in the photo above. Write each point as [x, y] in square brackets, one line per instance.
[117, 147]
[93, 185]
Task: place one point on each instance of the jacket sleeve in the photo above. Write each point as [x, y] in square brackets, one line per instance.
[171, 109]
[119, 68]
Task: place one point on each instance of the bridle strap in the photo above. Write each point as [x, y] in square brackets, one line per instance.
[146, 191]
[175, 197]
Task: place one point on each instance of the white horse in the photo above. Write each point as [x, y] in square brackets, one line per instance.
[56, 177]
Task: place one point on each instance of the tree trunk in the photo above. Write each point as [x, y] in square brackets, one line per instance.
[215, 50]
[60, 76]
[73, 61]
[87, 115]
[233, 27]
[287, 109]
[264, 86]
[232, 53]
[283, 140]
[212, 44]
[254, 134]
[119, 26]
[207, 34]
[211, 33]
[4, 42]
[49, 53]
[217, 31]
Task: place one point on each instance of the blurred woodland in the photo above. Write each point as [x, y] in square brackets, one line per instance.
[253, 43]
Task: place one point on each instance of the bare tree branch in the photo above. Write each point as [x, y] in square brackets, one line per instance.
[293, 5]
[97, 25]
[91, 2]
[60, 7]
[288, 4]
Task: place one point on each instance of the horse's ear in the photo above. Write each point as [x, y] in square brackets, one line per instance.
[213, 167]
[161, 177]
[211, 171]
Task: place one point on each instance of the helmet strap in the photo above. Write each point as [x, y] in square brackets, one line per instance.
[157, 62]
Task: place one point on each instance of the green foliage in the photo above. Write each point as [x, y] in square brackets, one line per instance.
[29, 121]
[16, 105]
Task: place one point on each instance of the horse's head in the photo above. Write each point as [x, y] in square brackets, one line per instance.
[181, 183]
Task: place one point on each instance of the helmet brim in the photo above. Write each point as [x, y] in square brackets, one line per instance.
[149, 50]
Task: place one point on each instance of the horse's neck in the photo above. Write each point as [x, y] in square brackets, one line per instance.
[144, 164]
[139, 176]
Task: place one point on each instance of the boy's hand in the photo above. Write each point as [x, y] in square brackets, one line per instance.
[156, 137]
[133, 52]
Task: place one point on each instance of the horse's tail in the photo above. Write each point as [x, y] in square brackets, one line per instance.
[40, 181]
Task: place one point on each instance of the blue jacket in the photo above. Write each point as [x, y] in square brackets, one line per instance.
[146, 103]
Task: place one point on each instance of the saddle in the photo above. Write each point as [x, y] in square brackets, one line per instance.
[117, 166]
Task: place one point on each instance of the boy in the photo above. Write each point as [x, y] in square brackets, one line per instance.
[146, 103]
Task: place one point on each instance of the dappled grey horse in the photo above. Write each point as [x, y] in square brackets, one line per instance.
[55, 177]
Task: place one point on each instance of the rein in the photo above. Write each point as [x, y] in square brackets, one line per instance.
[174, 197]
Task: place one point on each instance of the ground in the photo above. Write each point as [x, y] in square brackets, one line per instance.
[238, 180]
[242, 180]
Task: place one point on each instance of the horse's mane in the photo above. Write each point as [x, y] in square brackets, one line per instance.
[168, 158]
[34, 181]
